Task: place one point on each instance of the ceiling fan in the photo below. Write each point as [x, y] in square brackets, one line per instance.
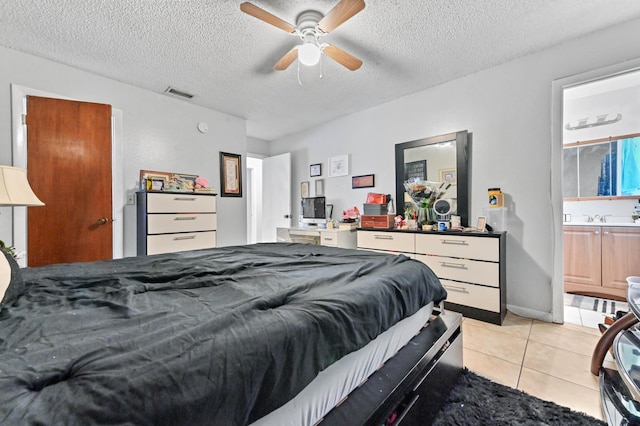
[311, 26]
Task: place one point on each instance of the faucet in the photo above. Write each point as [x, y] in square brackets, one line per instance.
[603, 218]
[596, 218]
[589, 218]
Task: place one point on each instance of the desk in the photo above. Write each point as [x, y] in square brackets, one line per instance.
[343, 238]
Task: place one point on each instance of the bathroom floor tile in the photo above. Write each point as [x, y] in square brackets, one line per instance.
[572, 315]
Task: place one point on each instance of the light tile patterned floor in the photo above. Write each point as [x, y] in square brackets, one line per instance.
[550, 361]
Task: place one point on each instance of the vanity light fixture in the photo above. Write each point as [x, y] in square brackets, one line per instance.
[599, 120]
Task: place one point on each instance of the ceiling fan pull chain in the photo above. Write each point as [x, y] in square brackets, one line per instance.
[321, 67]
[299, 81]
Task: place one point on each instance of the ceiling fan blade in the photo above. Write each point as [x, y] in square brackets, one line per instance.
[286, 60]
[342, 57]
[340, 13]
[263, 15]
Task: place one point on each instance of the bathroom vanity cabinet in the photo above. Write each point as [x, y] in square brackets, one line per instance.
[598, 259]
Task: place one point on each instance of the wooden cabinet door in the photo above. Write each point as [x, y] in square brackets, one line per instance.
[620, 256]
[582, 251]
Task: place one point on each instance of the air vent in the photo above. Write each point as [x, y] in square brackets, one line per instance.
[180, 93]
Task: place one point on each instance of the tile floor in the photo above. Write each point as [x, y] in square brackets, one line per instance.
[550, 361]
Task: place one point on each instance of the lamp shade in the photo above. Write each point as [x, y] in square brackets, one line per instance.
[15, 189]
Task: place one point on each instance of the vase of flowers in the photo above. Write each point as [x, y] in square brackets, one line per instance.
[423, 194]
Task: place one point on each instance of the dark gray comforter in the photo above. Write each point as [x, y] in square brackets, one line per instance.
[220, 336]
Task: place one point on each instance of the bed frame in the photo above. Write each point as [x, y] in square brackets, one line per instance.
[412, 386]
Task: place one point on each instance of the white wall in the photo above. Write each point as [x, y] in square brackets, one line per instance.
[508, 111]
[159, 133]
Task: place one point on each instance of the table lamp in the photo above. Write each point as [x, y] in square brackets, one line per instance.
[15, 189]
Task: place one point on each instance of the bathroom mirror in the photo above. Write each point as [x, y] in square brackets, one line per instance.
[441, 158]
[602, 168]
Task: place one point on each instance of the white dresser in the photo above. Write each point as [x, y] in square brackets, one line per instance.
[471, 266]
[171, 222]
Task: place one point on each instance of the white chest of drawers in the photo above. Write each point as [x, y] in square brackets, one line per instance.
[171, 222]
[471, 266]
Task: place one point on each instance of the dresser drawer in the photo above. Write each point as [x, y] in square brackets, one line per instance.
[469, 247]
[167, 243]
[475, 296]
[389, 241]
[183, 222]
[180, 203]
[397, 253]
[472, 271]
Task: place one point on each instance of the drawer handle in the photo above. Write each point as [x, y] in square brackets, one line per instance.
[456, 289]
[383, 237]
[455, 242]
[185, 218]
[453, 265]
[184, 199]
[187, 237]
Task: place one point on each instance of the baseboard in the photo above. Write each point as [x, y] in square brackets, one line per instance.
[530, 313]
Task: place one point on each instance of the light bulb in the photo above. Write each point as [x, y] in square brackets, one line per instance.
[309, 54]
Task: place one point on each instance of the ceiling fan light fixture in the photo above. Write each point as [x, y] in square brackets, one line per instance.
[309, 54]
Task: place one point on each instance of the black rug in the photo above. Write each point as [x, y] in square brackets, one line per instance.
[478, 401]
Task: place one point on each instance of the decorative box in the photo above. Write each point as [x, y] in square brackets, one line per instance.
[377, 221]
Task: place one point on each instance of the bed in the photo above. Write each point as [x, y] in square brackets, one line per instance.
[223, 336]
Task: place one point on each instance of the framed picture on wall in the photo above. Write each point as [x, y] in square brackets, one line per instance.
[230, 175]
[319, 188]
[364, 181]
[315, 170]
[304, 190]
[339, 166]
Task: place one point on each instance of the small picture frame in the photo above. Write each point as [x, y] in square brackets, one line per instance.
[319, 188]
[147, 178]
[156, 184]
[363, 181]
[304, 190]
[315, 170]
[230, 175]
[448, 175]
[482, 223]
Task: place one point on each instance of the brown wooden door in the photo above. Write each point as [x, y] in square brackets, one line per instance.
[69, 168]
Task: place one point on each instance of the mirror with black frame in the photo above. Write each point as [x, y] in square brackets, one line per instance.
[435, 159]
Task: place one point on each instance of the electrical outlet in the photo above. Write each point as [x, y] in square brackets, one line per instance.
[131, 199]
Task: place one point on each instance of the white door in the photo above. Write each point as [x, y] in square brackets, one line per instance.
[276, 195]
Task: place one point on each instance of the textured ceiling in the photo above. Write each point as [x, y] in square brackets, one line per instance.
[225, 57]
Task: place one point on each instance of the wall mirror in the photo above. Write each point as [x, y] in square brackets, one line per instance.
[441, 158]
[595, 169]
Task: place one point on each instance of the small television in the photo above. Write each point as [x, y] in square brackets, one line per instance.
[314, 211]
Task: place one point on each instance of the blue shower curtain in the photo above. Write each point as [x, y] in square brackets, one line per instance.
[631, 166]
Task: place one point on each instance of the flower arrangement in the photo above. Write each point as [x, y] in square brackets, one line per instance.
[423, 194]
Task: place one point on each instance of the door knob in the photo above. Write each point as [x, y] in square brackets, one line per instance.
[103, 221]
